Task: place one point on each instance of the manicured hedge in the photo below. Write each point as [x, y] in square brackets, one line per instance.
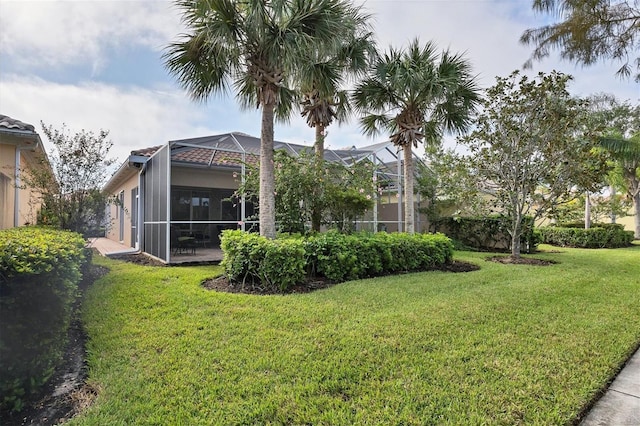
[282, 263]
[607, 235]
[486, 233]
[39, 273]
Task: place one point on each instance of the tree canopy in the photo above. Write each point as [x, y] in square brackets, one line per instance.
[415, 94]
[72, 197]
[531, 147]
[258, 47]
[588, 31]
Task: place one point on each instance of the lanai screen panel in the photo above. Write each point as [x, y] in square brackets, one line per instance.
[156, 184]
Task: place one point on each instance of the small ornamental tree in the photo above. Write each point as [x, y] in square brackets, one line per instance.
[530, 149]
[71, 189]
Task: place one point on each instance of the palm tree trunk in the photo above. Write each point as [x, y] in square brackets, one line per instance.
[316, 209]
[267, 201]
[319, 145]
[408, 189]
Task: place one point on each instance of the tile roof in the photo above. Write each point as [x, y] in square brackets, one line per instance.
[13, 124]
[226, 150]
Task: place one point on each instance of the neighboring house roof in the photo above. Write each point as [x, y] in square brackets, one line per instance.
[7, 122]
[16, 132]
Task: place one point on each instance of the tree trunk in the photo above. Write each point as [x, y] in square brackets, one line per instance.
[267, 201]
[587, 211]
[634, 191]
[515, 235]
[408, 189]
[316, 208]
[636, 207]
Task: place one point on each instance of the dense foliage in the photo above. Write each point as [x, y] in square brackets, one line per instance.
[277, 265]
[71, 188]
[605, 235]
[339, 194]
[532, 148]
[486, 233]
[39, 274]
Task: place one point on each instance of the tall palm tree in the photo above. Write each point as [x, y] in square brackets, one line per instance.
[416, 94]
[323, 98]
[257, 47]
[326, 72]
[626, 152]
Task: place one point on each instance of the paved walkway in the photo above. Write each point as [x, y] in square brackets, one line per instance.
[106, 246]
[620, 405]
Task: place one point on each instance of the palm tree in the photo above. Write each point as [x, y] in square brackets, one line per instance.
[323, 99]
[626, 152]
[324, 74]
[414, 94]
[258, 48]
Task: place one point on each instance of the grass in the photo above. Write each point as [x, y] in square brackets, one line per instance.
[509, 344]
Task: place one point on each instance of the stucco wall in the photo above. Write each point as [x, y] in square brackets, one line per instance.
[113, 230]
[30, 200]
[7, 170]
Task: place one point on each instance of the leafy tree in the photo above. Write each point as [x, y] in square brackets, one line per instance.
[416, 94]
[530, 149]
[258, 47]
[71, 190]
[589, 30]
[345, 192]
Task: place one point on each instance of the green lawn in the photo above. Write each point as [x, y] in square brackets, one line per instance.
[508, 344]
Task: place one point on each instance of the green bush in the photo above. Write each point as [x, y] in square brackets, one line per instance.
[280, 264]
[39, 273]
[608, 235]
[273, 265]
[486, 233]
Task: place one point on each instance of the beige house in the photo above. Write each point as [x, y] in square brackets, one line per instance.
[181, 191]
[21, 151]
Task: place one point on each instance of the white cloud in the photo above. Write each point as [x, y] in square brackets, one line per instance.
[90, 33]
[136, 118]
[54, 33]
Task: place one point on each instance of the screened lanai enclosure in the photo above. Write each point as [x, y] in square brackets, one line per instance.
[187, 187]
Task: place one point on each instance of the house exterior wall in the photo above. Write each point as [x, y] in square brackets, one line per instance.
[115, 210]
[29, 199]
[628, 221]
[7, 173]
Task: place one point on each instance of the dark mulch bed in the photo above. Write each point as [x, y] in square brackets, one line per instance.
[222, 284]
[520, 261]
[66, 393]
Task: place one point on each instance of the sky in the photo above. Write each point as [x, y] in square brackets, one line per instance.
[97, 64]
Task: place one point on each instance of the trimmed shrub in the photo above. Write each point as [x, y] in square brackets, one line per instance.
[607, 235]
[250, 259]
[486, 233]
[39, 273]
[280, 264]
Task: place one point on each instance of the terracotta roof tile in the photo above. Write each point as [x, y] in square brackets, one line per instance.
[13, 124]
